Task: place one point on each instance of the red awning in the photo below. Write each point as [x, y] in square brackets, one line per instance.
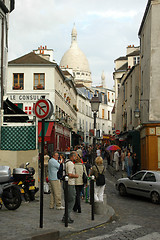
[47, 131]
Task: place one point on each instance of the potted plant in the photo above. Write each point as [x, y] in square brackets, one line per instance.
[16, 86]
[39, 86]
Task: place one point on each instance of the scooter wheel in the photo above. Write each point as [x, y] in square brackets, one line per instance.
[14, 202]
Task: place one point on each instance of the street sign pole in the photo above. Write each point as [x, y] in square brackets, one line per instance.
[43, 110]
[42, 175]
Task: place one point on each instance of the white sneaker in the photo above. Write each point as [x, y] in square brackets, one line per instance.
[60, 208]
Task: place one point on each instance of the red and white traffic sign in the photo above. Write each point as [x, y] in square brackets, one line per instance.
[42, 108]
[118, 132]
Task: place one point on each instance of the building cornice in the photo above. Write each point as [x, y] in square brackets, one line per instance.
[144, 17]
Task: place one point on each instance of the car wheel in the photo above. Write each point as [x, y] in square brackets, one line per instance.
[155, 197]
[122, 190]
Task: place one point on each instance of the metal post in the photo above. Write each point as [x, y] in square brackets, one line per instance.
[92, 197]
[94, 139]
[66, 200]
[42, 175]
[86, 192]
[2, 62]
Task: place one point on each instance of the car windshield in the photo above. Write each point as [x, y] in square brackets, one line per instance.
[138, 176]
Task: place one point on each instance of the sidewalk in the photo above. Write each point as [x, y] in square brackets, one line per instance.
[23, 223]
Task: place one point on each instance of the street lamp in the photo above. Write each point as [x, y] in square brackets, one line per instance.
[137, 113]
[95, 102]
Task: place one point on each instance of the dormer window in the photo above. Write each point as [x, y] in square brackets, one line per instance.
[39, 81]
[136, 60]
[18, 81]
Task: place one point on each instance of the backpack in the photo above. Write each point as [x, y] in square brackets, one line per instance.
[84, 176]
[100, 180]
[62, 171]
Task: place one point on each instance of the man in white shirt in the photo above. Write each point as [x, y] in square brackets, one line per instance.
[70, 171]
[116, 159]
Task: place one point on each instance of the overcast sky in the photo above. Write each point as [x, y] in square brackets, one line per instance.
[104, 27]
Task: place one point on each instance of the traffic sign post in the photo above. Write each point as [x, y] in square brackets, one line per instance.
[42, 175]
[117, 132]
[43, 110]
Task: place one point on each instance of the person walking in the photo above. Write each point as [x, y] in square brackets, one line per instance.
[79, 168]
[55, 185]
[46, 159]
[79, 151]
[116, 159]
[129, 164]
[98, 190]
[98, 152]
[122, 159]
[135, 167]
[70, 171]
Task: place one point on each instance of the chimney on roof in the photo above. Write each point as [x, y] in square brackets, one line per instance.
[41, 47]
[45, 47]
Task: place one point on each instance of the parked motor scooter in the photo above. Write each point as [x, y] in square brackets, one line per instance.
[10, 194]
[24, 179]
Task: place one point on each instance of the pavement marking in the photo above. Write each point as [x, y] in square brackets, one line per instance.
[152, 236]
[128, 227]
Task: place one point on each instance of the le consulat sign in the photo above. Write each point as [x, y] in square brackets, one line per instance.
[24, 97]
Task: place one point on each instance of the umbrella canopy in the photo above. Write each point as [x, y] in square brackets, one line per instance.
[113, 148]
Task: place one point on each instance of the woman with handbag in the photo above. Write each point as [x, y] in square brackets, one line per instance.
[79, 169]
[98, 170]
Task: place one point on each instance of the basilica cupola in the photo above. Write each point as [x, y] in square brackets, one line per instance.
[76, 60]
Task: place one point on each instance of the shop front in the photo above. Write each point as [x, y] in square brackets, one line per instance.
[56, 136]
[150, 146]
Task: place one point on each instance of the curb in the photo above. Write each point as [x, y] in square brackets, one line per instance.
[110, 215]
[46, 235]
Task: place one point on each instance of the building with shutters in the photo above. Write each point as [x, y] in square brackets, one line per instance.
[34, 75]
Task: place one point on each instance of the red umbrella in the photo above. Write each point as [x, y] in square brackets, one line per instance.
[113, 148]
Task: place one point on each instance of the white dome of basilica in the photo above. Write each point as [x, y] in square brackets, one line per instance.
[76, 60]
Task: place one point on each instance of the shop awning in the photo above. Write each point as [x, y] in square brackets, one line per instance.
[47, 131]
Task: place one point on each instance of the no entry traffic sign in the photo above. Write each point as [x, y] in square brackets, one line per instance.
[118, 132]
[42, 108]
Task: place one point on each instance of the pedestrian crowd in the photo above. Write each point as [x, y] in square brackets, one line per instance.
[81, 165]
[127, 161]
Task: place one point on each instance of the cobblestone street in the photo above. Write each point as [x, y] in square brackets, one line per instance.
[135, 219]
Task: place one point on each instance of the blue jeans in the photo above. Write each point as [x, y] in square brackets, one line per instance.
[129, 171]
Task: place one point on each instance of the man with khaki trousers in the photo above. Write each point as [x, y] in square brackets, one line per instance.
[55, 185]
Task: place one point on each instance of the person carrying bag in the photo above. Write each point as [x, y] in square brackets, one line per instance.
[98, 171]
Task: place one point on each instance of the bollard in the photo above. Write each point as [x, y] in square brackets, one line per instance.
[66, 200]
[92, 197]
[86, 193]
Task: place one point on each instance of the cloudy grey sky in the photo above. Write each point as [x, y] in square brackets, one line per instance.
[105, 28]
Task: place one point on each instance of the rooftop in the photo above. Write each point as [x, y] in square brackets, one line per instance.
[30, 58]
